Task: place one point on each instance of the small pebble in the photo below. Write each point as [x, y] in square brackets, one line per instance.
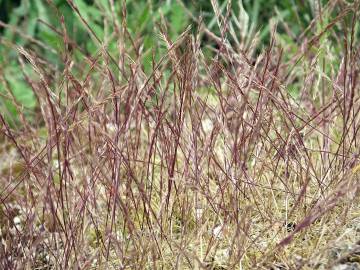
[347, 266]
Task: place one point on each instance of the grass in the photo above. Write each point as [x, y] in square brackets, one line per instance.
[207, 151]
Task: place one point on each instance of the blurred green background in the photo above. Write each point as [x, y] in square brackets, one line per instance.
[29, 23]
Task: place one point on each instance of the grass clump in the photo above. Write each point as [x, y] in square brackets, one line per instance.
[200, 153]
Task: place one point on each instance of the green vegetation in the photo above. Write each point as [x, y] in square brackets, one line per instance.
[36, 24]
[179, 134]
